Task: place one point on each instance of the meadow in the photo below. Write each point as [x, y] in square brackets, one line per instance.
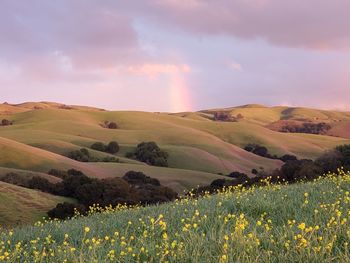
[303, 222]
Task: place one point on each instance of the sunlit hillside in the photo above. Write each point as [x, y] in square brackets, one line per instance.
[199, 148]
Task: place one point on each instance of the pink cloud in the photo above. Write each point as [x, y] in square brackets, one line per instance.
[315, 24]
[153, 70]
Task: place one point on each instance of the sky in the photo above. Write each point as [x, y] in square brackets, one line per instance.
[176, 55]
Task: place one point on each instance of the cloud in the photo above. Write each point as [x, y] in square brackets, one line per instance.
[154, 70]
[235, 66]
[154, 54]
[90, 33]
[314, 24]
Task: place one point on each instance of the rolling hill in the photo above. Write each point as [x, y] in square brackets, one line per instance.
[20, 205]
[200, 148]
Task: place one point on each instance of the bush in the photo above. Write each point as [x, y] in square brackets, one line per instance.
[90, 193]
[65, 210]
[6, 122]
[307, 127]
[81, 155]
[138, 178]
[70, 183]
[110, 125]
[344, 151]
[112, 147]
[134, 188]
[58, 173]
[150, 153]
[288, 157]
[99, 146]
[42, 184]
[258, 150]
[330, 161]
[226, 116]
[240, 177]
[16, 179]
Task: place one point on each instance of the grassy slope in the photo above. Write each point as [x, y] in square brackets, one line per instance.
[20, 205]
[195, 143]
[25, 157]
[197, 231]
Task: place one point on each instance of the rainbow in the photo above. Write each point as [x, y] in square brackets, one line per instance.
[180, 96]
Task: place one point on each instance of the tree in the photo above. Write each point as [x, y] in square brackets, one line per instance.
[65, 210]
[81, 155]
[112, 147]
[112, 125]
[150, 153]
[90, 193]
[58, 173]
[42, 184]
[288, 157]
[240, 177]
[99, 146]
[6, 122]
[258, 150]
[330, 161]
[344, 151]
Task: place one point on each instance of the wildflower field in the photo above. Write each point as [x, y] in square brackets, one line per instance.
[304, 222]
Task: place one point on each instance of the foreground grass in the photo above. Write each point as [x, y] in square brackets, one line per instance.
[296, 223]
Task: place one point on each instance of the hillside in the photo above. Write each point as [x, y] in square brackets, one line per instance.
[305, 222]
[199, 148]
[20, 205]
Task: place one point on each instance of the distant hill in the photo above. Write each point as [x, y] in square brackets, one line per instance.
[202, 146]
[199, 146]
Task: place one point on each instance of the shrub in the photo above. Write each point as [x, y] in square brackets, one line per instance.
[58, 173]
[344, 151]
[99, 146]
[6, 122]
[112, 147]
[258, 150]
[81, 155]
[150, 153]
[90, 193]
[133, 188]
[240, 177]
[110, 125]
[70, 183]
[16, 179]
[42, 184]
[288, 157]
[66, 210]
[138, 178]
[254, 171]
[225, 116]
[330, 161]
[307, 127]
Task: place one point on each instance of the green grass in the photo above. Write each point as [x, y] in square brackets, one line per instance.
[20, 205]
[306, 222]
[193, 141]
